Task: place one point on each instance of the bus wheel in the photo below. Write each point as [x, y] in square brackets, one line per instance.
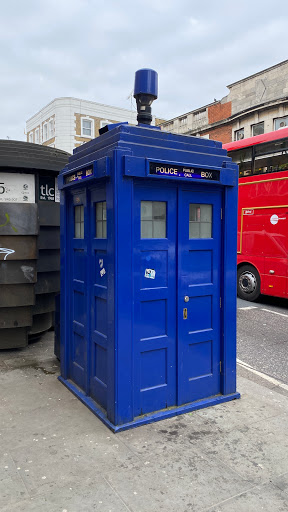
[248, 283]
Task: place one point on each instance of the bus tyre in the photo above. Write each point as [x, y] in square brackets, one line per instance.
[248, 283]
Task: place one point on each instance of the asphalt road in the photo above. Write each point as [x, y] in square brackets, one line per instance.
[262, 340]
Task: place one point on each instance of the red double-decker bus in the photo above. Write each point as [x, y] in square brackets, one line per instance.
[262, 214]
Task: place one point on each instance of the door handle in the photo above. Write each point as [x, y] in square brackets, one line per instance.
[185, 314]
[186, 298]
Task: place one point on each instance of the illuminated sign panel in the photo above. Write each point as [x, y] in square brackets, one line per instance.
[181, 171]
[79, 175]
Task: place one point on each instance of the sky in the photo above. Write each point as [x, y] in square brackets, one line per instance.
[90, 49]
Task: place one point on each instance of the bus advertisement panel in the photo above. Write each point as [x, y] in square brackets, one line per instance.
[262, 214]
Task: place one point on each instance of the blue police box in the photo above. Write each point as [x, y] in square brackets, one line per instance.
[148, 259]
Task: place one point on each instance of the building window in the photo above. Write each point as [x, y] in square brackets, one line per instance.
[239, 134]
[200, 221]
[257, 129]
[183, 121]
[79, 221]
[45, 132]
[200, 115]
[86, 127]
[104, 123]
[101, 220]
[153, 219]
[37, 137]
[168, 127]
[51, 128]
[31, 137]
[280, 122]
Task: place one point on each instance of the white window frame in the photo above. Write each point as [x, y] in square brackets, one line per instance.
[37, 136]
[284, 118]
[51, 132]
[104, 122]
[45, 128]
[31, 137]
[237, 132]
[92, 127]
[257, 124]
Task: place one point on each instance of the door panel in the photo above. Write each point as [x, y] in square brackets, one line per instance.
[154, 270]
[78, 309]
[199, 242]
[99, 288]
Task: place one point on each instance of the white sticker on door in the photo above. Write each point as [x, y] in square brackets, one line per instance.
[150, 273]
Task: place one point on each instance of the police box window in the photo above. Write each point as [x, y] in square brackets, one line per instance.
[200, 221]
[153, 219]
[101, 220]
[79, 221]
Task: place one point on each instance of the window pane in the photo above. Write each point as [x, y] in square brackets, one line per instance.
[99, 210]
[153, 219]
[281, 122]
[77, 230]
[81, 229]
[104, 229]
[239, 134]
[146, 229]
[79, 221]
[159, 230]
[159, 210]
[205, 215]
[104, 211]
[146, 210]
[99, 229]
[101, 223]
[194, 230]
[200, 221]
[258, 129]
[205, 230]
[77, 213]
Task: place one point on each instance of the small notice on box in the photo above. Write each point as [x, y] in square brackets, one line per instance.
[150, 273]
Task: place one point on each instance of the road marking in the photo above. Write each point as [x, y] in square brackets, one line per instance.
[263, 375]
[275, 312]
[248, 307]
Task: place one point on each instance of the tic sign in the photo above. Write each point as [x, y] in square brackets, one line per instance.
[48, 190]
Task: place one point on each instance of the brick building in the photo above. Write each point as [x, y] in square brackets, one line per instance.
[254, 105]
[66, 123]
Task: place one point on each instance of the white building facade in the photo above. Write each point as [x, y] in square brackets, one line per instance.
[67, 123]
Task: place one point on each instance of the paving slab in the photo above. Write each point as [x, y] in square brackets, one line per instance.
[180, 481]
[55, 455]
[266, 498]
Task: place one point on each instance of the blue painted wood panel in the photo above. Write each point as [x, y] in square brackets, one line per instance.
[154, 321]
[199, 270]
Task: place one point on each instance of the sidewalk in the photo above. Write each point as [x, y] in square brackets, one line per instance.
[56, 456]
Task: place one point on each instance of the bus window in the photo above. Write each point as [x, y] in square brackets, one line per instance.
[243, 157]
[271, 157]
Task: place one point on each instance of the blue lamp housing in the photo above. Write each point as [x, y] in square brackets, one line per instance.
[145, 92]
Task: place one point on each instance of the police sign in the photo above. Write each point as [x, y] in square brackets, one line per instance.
[182, 171]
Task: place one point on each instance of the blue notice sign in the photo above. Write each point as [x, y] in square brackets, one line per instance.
[179, 171]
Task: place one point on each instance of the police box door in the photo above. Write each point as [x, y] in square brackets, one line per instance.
[198, 315]
[176, 345]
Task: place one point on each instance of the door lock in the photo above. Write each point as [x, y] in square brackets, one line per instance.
[186, 298]
[185, 314]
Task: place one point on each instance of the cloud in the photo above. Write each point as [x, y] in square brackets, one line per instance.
[91, 50]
